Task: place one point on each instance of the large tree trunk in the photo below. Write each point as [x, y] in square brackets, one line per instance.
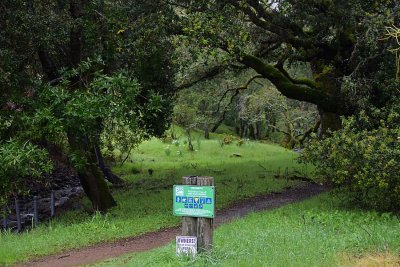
[329, 122]
[108, 174]
[252, 133]
[206, 131]
[242, 133]
[91, 177]
[258, 130]
[96, 188]
[330, 82]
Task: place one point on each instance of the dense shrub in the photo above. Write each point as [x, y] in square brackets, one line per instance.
[20, 162]
[228, 139]
[363, 160]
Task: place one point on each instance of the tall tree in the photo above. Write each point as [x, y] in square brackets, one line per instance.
[340, 40]
[85, 69]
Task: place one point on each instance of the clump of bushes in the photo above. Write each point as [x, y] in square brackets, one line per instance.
[226, 140]
[362, 159]
[20, 163]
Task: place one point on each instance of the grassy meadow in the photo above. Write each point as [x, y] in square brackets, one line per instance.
[145, 204]
[315, 232]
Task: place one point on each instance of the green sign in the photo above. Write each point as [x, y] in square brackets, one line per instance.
[194, 201]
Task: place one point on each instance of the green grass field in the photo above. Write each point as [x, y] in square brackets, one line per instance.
[146, 204]
[315, 232]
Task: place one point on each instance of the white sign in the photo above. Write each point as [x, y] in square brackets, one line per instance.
[179, 191]
[186, 245]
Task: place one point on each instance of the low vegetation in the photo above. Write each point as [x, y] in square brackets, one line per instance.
[362, 159]
[315, 232]
[146, 204]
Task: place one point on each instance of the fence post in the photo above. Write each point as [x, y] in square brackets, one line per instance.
[35, 211]
[205, 226]
[18, 214]
[4, 218]
[52, 204]
[189, 224]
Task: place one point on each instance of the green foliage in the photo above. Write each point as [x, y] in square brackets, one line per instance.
[18, 162]
[362, 160]
[145, 204]
[281, 33]
[185, 115]
[85, 74]
[108, 106]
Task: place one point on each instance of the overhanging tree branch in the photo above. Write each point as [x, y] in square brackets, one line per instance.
[237, 92]
[288, 88]
[209, 74]
[237, 89]
[301, 81]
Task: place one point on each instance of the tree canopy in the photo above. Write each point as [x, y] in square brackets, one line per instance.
[89, 75]
[343, 54]
[82, 74]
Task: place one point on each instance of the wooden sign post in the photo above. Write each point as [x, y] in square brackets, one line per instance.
[205, 226]
[195, 202]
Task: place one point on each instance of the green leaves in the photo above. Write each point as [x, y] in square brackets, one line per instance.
[364, 162]
[18, 162]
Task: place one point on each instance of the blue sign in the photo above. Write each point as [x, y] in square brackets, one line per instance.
[190, 199]
[178, 199]
[208, 201]
[184, 199]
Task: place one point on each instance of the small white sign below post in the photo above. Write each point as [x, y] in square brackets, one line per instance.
[186, 245]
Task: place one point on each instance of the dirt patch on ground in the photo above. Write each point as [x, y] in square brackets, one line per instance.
[153, 240]
[373, 260]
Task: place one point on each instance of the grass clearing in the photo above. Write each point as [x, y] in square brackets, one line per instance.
[145, 205]
[315, 232]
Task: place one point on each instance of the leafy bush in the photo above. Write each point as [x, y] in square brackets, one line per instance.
[226, 140]
[18, 162]
[363, 160]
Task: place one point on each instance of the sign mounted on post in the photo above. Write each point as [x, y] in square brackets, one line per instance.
[186, 245]
[194, 201]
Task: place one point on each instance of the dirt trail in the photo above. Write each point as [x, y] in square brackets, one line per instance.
[103, 251]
